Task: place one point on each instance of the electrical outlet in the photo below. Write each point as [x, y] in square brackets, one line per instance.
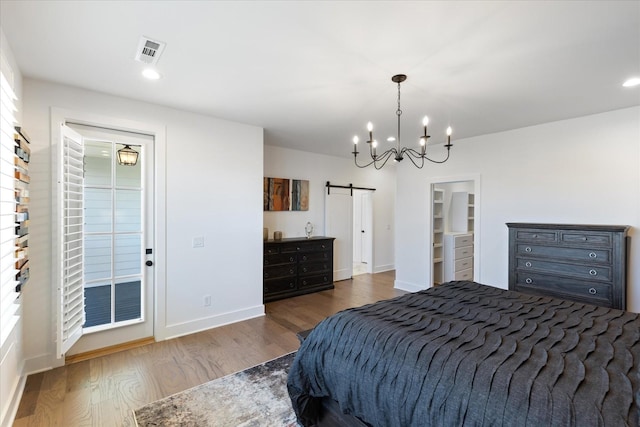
[198, 242]
[207, 300]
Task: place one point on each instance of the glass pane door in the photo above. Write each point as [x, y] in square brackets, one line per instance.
[113, 237]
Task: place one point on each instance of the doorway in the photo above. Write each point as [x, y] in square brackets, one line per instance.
[454, 233]
[348, 218]
[362, 232]
[117, 239]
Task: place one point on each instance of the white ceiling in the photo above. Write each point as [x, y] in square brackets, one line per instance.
[313, 73]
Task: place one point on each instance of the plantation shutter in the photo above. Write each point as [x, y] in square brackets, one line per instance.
[71, 286]
[9, 303]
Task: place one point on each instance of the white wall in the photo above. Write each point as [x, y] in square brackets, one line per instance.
[11, 359]
[318, 169]
[208, 194]
[582, 171]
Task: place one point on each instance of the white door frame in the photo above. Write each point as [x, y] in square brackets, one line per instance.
[435, 181]
[158, 131]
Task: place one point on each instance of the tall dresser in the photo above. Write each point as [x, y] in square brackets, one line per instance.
[458, 256]
[297, 266]
[585, 263]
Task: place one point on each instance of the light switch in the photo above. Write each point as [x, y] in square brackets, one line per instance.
[198, 242]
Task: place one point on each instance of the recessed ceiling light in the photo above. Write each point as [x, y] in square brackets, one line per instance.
[151, 74]
[633, 81]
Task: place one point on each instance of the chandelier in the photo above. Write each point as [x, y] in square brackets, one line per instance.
[417, 157]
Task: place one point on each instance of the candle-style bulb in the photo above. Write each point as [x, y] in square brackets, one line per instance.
[375, 143]
[369, 126]
[425, 121]
[449, 131]
[356, 139]
[423, 141]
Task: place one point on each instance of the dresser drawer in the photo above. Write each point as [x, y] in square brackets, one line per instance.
[271, 249]
[586, 238]
[314, 267]
[590, 292]
[279, 271]
[557, 252]
[308, 246]
[316, 280]
[279, 259]
[314, 256]
[463, 264]
[464, 274]
[279, 285]
[536, 236]
[582, 271]
[464, 252]
[462, 240]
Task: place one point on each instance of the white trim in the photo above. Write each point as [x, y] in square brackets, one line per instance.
[384, 267]
[406, 286]
[158, 131]
[477, 187]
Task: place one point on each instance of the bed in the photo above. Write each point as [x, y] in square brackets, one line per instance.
[464, 353]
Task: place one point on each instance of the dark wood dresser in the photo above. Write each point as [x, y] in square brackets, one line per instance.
[297, 266]
[585, 263]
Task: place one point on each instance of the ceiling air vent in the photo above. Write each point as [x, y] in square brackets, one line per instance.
[149, 50]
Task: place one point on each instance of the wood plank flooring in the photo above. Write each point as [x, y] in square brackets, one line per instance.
[104, 391]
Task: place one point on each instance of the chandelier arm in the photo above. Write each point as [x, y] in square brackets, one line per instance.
[411, 154]
[384, 158]
[415, 154]
[355, 159]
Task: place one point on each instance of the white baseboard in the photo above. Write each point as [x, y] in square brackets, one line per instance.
[406, 286]
[12, 408]
[198, 325]
[382, 268]
[39, 364]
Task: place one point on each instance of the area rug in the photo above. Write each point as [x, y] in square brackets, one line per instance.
[254, 397]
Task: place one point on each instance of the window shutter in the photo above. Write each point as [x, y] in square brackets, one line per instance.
[71, 287]
[9, 303]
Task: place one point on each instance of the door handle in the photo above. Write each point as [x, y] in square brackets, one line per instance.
[149, 263]
[362, 231]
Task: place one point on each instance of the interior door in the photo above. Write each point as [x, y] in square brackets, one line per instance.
[338, 223]
[367, 230]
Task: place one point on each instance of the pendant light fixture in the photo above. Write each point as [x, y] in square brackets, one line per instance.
[127, 156]
[417, 157]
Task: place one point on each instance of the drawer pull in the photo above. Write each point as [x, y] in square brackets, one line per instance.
[291, 271]
[527, 264]
[593, 272]
[527, 249]
[291, 259]
[592, 255]
[304, 269]
[584, 238]
[528, 281]
[535, 236]
[304, 257]
[593, 291]
[292, 285]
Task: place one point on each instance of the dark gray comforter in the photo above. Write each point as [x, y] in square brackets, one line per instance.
[468, 354]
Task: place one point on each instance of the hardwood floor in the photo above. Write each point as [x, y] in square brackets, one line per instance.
[104, 391]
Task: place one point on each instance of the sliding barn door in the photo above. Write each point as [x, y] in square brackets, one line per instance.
[338, 221]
